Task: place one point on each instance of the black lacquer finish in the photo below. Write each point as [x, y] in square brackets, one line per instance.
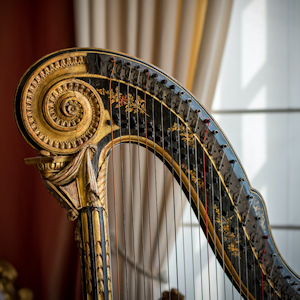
[236, 211]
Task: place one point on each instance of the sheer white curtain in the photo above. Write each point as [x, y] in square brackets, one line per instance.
[185, 38]
[257, 105]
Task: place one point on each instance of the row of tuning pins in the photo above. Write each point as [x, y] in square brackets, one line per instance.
[125, 71]
[131, 73]
[138, 77]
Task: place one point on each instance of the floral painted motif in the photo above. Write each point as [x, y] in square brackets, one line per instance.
[186, 134]
[193, 176]
[131, 104]
[229, 237]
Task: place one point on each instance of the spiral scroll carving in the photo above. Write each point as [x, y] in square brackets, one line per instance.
[71, 105]
[72, 113]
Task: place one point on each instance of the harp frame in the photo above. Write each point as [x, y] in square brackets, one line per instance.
[74, 150]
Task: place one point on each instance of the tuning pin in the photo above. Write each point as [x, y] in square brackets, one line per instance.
[167, 132]
[222, 157]
[253, 237]
[121, 120]
[175, 150]
[133, 120]
[119, 67]
[225, 213]
[183, 153]
[227, 176]
[178, 104]
[169, 98]
[187, 112]
[192, 150]
[288, 277]
[258, 282]
[192, 165]
[208, 169]
[196, 120]
[167, 144]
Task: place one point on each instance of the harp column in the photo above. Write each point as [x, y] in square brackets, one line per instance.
[72, 181]
[64, 118]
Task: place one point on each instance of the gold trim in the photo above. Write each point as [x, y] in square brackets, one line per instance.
[59, 55]
[87, 255]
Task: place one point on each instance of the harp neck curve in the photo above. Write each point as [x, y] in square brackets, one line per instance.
[76, 100]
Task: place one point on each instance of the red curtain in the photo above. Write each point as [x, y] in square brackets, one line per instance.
[35, 235]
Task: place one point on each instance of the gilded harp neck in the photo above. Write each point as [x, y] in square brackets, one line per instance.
[75, 106]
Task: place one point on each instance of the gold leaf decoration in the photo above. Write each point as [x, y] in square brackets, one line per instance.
[193, 176]
[229, 237]
[131, 104]
[185, 133]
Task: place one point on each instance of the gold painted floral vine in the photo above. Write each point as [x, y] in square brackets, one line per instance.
[132, 104]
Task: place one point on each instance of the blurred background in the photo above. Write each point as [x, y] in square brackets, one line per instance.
[239, 58]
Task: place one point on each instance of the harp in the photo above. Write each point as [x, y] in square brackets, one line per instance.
[79, 107]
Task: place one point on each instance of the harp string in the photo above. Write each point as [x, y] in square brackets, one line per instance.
[270, 275]
[207, 121]
[238, 247]
[174, 209]
[131, 195]
[190, 202]
[156, 198]
[165, 196]
[148, 181]
[214, 225]
[231, 264]
[123, 200]
[245, 238]
[266, 237]
[254, 267]
[190, 158]
[181, 202]
[140, 187]
[198, 216]
[113, 59]
[222, 233]
[246, 264]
